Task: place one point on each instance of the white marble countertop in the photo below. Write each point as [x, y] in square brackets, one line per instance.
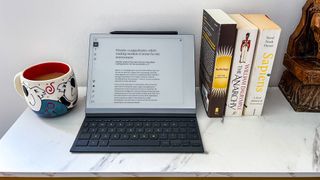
[280, 143]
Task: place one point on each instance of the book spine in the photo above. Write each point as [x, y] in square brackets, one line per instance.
[222, 68]
[209, 41]
[261, 69]
[241, 68]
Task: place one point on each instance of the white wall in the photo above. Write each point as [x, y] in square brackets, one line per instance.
[32, 31]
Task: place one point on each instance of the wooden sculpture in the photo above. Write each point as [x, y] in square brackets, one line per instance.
[300, 83]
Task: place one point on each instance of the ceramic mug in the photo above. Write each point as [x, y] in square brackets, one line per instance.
[49, 88]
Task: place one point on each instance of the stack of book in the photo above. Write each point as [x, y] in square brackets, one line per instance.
[237, 54]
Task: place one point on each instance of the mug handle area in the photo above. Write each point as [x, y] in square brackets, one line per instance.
[17, 84]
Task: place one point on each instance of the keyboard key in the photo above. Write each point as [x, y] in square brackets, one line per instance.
[130, 130]
[182, 136]
[92, 124]
[84, 130]
[192, 124]
[175, 130]
[103, 143]
[129, 124]
[124, 136]
[192, 130]
[134, 136]
[120, 124]
[185, 143]
[164, 124]
[93, 143]
[82, 143]
[144, 136]
[167, 130]
[158, 130]
[134, 143]
[92, 130]
[147, 124]
[153, 136]
[102, 124]
[111, 124]
[115, 136]
[148, 130]
[121, 130]
[182, 124]
[84, 136]
[139, 130]
[183, 130]
[111, 130]
[105, 136]
[193, 136]
[195, 142]
[138, 124]
[174, 124]
[156, 124]
[175, 142]
[165, 143]
[163, 136]
[102, 130]
[95, 136]
[85, 124]
[172, 136]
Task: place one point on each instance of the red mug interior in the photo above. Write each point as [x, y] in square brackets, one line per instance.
[46, 71]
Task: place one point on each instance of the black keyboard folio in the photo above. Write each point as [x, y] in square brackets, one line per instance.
[139, 135]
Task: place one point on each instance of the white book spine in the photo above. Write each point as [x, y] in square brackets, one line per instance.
[266, 48]
[240, 73]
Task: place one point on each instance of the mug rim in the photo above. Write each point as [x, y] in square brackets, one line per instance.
[48, 62]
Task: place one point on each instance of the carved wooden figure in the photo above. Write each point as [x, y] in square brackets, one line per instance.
[300, 83]
[315, 24]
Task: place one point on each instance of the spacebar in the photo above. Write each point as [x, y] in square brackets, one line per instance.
[133, 143]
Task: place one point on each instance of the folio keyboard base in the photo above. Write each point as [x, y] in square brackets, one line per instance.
[139, 135]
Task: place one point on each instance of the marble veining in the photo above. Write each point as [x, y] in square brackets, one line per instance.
[68, 164]
[104, 161]
[171, 166]
[208, 125]
[316, 149]
[280, 143]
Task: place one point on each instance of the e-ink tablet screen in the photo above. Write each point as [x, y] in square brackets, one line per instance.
[140, 73]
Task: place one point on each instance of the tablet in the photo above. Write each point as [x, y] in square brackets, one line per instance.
[141, 74]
